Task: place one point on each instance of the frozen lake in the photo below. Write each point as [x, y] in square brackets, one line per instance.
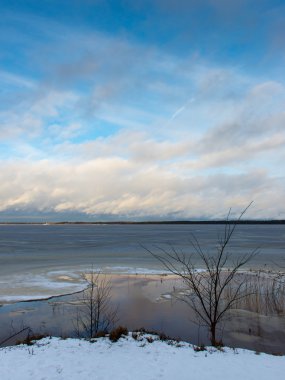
[41, 260]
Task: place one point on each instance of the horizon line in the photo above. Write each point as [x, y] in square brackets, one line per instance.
[198, 221]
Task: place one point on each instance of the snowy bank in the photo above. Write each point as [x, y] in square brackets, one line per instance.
[70, 359]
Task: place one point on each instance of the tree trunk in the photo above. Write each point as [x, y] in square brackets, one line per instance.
[213, 334]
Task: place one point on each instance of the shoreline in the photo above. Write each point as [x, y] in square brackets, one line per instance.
[148, 300]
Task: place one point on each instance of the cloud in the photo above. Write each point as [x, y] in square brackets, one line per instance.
[119, 187]
[110, 126]
[15, 80]
[30, 116]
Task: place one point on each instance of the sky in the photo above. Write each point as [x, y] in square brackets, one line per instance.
[141, 110]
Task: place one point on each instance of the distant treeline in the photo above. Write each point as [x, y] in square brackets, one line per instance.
[155, 222]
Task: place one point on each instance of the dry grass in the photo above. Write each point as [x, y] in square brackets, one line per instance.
[264, 293]
[116, 334]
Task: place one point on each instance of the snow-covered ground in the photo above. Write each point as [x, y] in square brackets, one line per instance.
[70, 359]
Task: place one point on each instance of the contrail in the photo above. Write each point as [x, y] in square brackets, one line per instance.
[177, 112]
[181, 109]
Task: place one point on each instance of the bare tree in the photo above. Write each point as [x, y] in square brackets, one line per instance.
[94, 312]
[210, 293]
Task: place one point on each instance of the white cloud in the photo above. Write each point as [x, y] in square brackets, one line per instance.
[122, 187]
[29, 118]
[126, 129]
[10, 79]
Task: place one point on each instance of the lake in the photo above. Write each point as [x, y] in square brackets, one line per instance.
[38, 261]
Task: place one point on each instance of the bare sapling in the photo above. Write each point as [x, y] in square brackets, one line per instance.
[212, 292]
[94, 310]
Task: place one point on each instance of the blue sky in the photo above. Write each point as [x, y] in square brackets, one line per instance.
[141, 109]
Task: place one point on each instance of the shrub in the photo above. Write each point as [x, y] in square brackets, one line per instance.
[30, 339]
[200, 348]
[163, 336]
[100, 334]
[135, 335]
[277, 354]
[142, 330]
[116, 334]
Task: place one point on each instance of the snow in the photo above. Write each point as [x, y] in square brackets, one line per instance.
[58, 359]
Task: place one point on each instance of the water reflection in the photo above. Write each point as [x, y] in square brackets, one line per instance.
[145, 301]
